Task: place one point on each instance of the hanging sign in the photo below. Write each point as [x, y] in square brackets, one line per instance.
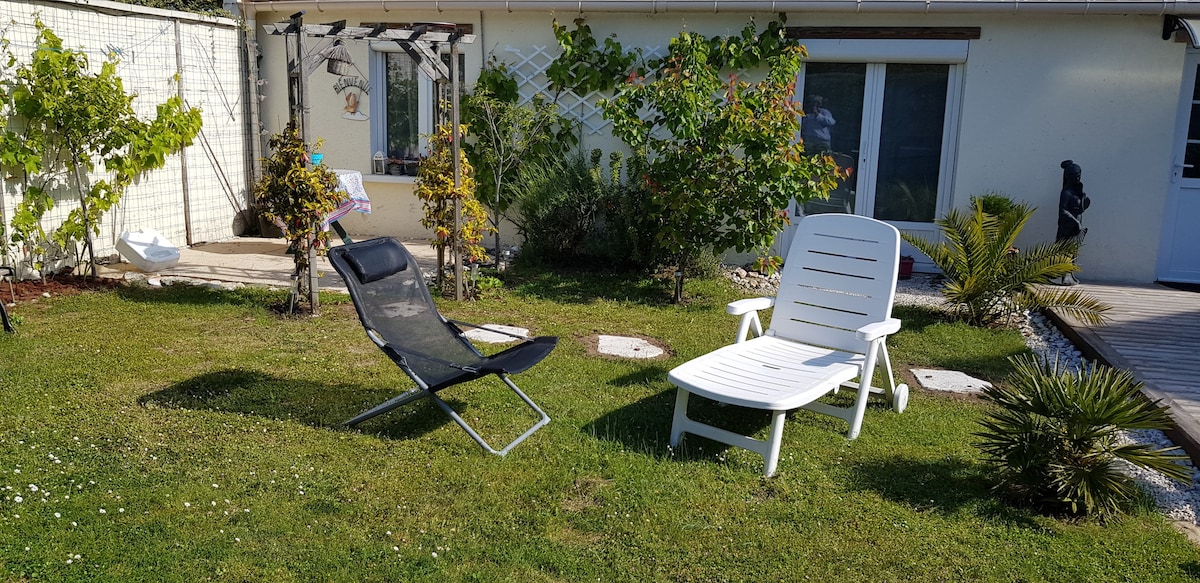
[354, 88]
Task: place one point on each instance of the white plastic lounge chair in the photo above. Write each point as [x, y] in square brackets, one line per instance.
[832, 316]
[400, 317]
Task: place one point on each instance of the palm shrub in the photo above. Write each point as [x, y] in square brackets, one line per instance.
[989, 280]
[573, 211]
[1057, 436]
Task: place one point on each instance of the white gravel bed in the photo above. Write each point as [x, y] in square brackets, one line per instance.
[1179, 502]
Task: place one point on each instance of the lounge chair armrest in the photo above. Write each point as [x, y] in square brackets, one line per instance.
[750, 326]
[877, 330]
[741, 307]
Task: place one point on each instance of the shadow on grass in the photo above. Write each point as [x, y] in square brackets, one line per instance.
[944, 486]
[584, 287]
[324, 405]
[203, 295]
[645, 425]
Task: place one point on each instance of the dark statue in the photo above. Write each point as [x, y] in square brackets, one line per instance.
[1071, 202]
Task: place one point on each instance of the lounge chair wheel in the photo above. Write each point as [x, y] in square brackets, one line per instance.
[900, 398]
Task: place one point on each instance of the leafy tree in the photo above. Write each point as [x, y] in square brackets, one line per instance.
[507, 137]
[1056, 436]
[298, 197]
[722, 155]
[65, 123]
[989, 280]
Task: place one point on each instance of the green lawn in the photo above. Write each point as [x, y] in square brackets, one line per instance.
[188, 434]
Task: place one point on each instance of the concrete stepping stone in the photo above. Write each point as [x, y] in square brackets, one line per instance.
[626, 347]
[949, 381]
[486, 336]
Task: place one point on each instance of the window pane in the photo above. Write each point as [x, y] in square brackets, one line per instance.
[402, 106]
[1191, 160]
[840, 88]
[910, 142]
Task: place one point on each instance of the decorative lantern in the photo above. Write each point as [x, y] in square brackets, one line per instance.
[339, 60]
[378, 164]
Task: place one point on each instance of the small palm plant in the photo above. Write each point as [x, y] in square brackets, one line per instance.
[1057, 436]
[989, 280]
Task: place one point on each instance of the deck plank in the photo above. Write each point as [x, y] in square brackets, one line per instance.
[1153, 331]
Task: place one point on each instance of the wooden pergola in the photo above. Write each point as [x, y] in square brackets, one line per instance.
[422, 45]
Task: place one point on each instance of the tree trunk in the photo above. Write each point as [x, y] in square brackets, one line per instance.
[683, 258]
[87, 226]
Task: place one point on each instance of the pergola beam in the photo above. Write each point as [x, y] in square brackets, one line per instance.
[365, 33]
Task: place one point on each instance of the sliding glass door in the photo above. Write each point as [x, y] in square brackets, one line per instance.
[890, 127]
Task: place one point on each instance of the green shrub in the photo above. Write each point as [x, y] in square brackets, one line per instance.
[997, 204]
[573, 213]
[1057, 436]
[989, 280]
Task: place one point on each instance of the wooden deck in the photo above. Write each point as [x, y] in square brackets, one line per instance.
[1153, 331]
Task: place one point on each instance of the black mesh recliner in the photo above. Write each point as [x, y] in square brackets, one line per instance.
[399, 315]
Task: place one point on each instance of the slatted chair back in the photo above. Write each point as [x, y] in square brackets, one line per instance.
[840, 275]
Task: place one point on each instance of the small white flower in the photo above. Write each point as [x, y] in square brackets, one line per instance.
[33, 488]
[18, 499]
[120, 510]
[103, 511]
[57, 515]
[434, 555]
[397, 549]
[187, 504]
[73, 523]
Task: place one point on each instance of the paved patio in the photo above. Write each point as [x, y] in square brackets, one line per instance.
[1154, 331]
[254, 261]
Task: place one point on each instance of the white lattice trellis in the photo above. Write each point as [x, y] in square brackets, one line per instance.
[529, 66]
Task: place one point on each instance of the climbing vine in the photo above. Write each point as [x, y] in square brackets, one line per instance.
[586, 64]
[68, 124]
[722, 158]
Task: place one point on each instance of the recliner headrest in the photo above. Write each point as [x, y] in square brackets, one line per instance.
[376, 259]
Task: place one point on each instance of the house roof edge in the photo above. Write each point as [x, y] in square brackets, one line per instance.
[1081, 7]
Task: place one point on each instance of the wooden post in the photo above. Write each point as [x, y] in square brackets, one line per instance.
[298, 106]
[457, 151]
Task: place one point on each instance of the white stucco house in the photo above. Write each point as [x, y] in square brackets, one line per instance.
[935, 101]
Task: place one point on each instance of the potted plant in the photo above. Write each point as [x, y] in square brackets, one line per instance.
[297, 197]
[411, 166]
[906, 267]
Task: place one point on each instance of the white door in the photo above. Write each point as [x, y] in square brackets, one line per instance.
[1179, 251]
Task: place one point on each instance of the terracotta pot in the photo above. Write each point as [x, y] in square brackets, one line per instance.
[906, 267]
